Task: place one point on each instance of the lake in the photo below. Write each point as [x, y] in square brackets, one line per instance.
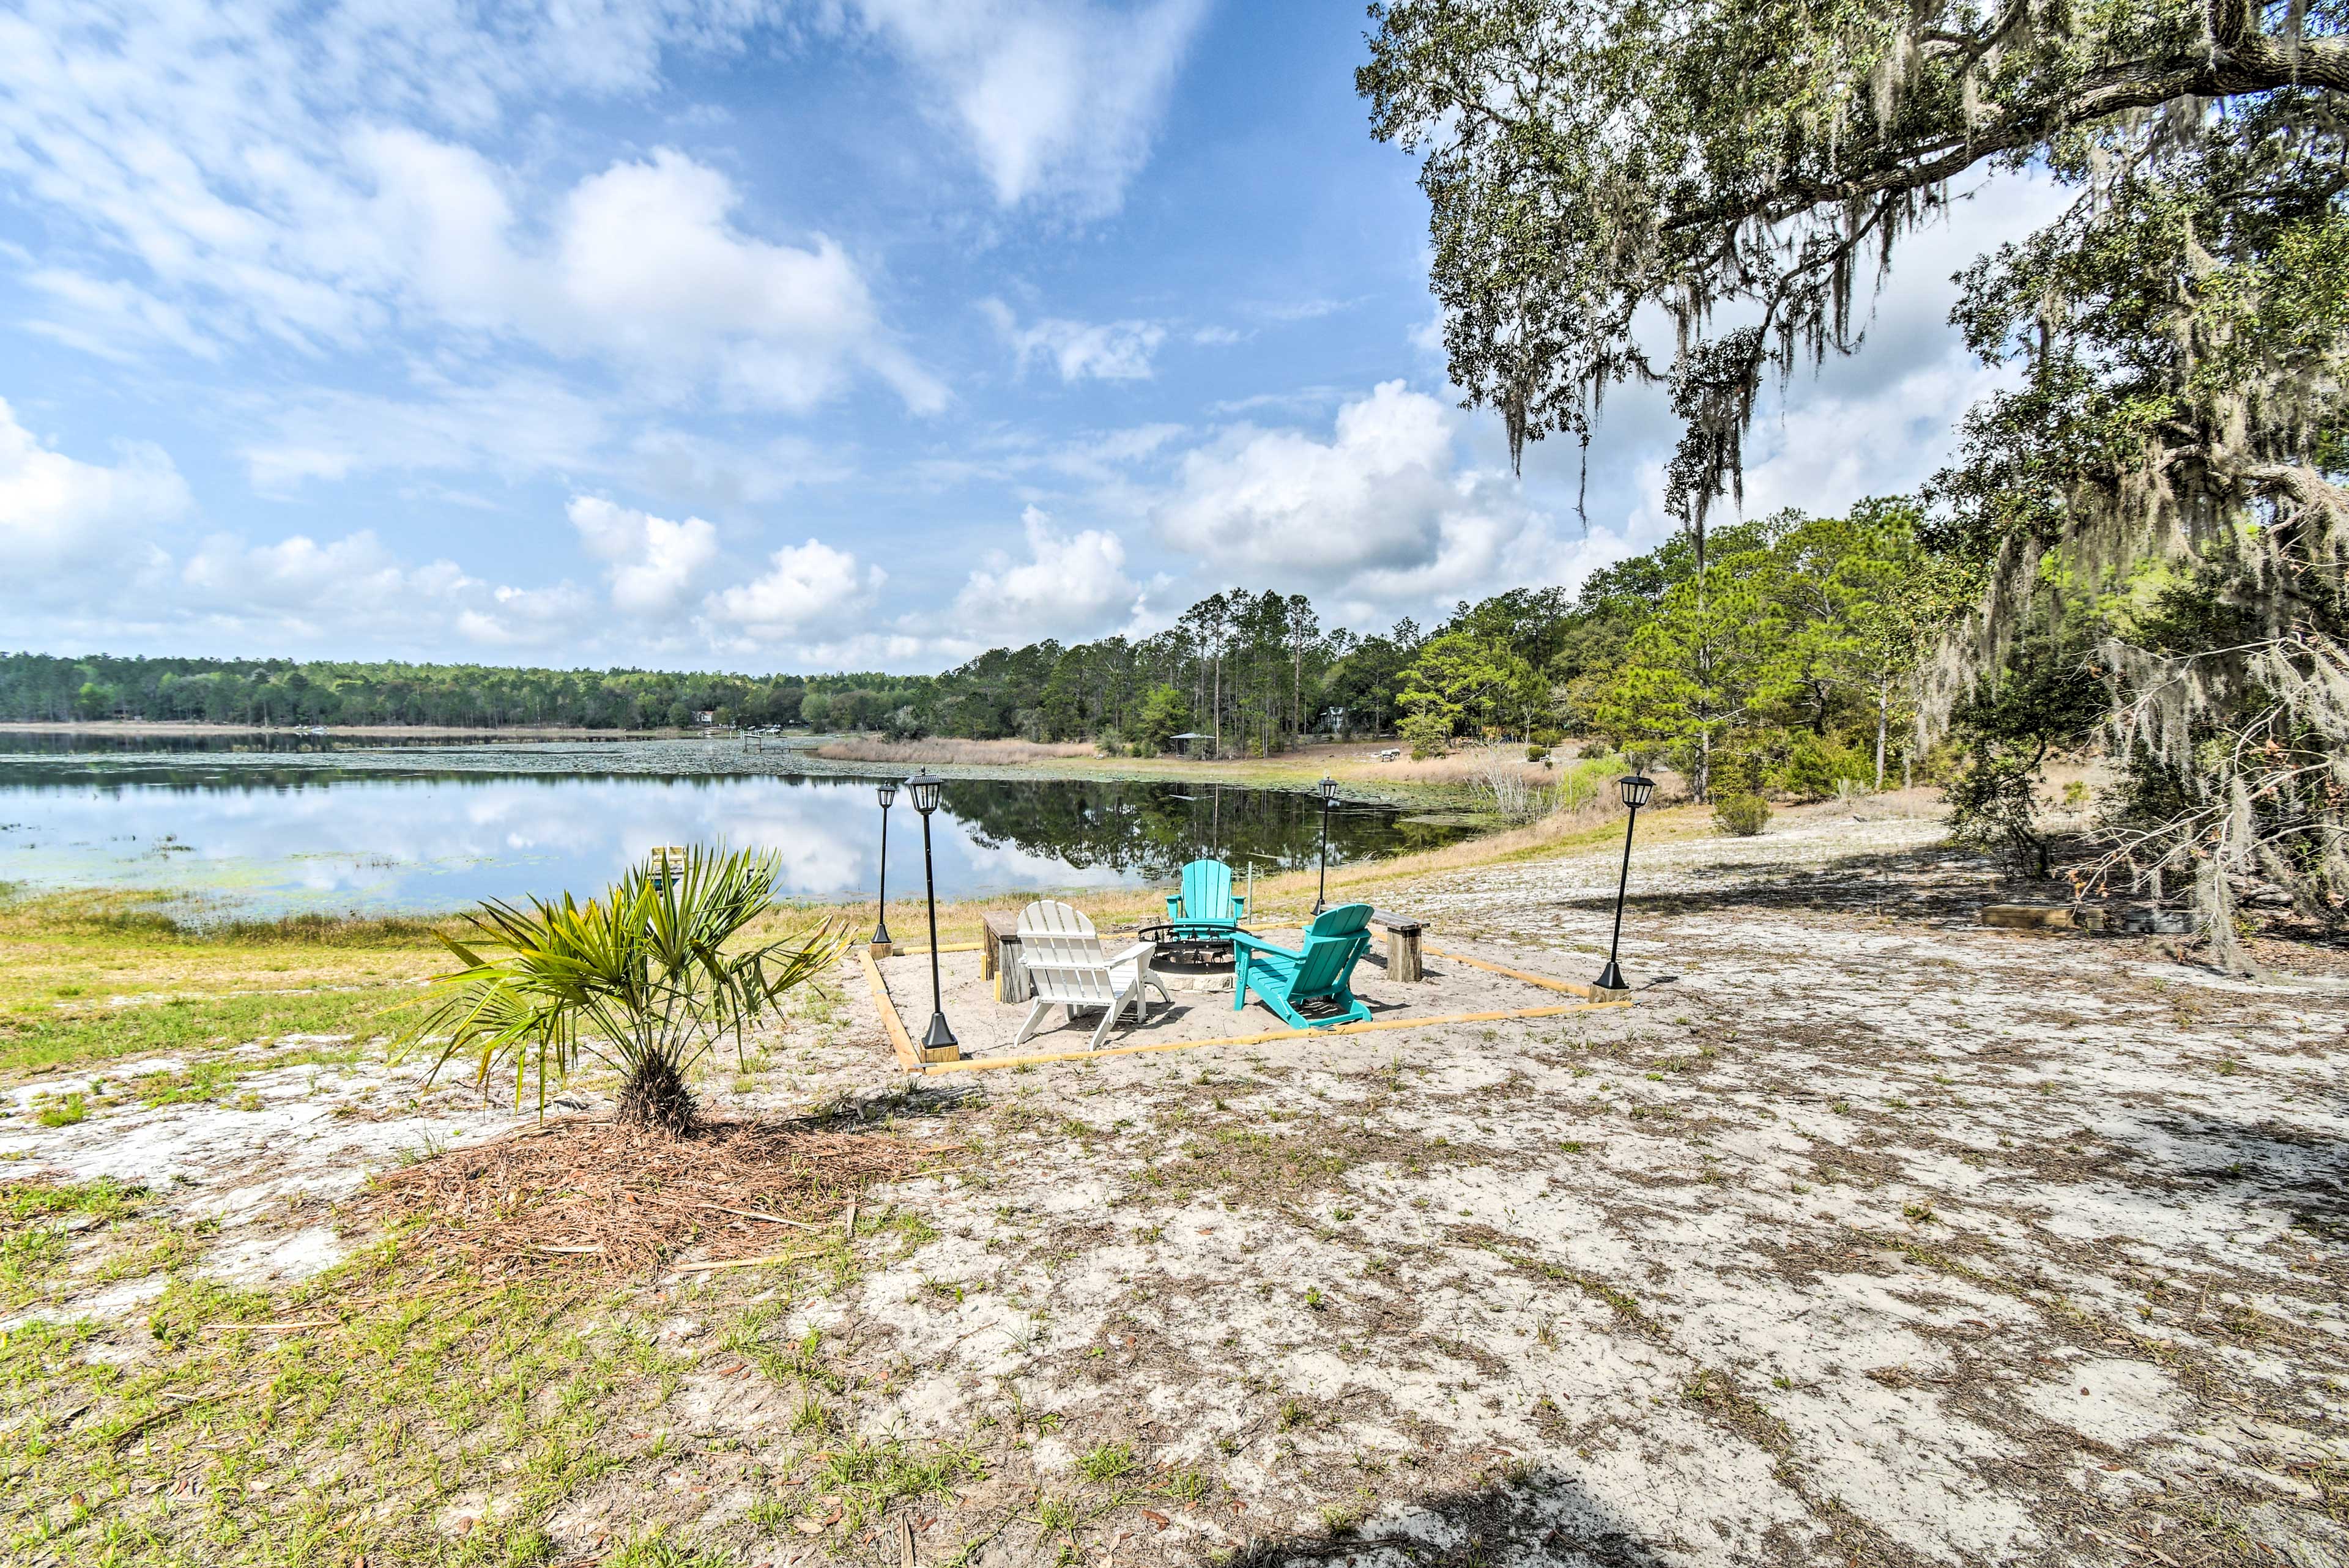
[283, 824]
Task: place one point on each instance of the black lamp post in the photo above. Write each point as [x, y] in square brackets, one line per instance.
[1328, 791]
[925, 788]
[1636, 789]
[887, 790]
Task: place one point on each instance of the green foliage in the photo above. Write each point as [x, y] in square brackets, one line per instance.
[1428, 733]
[640, 980]
[2178, 337]
[292, 692]
[1815, 769]
[1165, 714]
[1475, 682]
[1740, 816]
[2048, 697]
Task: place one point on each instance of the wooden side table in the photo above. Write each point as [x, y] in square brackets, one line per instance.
[999, 958]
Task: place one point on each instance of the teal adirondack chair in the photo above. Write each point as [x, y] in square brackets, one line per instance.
[1335, 941]
[1206, 907]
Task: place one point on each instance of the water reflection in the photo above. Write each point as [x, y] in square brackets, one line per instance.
[267, 838]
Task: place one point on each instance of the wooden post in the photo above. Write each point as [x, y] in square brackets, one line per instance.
[1402, 944]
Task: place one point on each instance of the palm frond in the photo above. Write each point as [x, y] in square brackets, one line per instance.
[639, 979]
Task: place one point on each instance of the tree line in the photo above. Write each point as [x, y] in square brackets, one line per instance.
[1784, 657]
[38, 687]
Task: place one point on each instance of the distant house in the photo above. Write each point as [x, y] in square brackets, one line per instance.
[705, 716]
[1188, 742]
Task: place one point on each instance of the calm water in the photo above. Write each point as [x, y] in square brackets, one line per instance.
[311, 824]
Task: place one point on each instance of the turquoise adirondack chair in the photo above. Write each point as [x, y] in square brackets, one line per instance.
[1206, 907]
[1335, 941]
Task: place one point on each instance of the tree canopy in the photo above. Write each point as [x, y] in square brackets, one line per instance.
[2177, 435]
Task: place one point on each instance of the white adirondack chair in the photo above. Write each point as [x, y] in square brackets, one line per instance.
[1064, 961]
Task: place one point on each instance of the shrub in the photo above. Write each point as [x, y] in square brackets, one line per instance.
[1815, 767]
[1537, 753]
[1740, 816]
[1428, 734]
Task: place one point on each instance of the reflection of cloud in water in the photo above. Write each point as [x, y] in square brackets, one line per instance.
[442, 842]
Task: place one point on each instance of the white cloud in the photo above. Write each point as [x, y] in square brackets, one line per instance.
[1110, 351]
[650, 562]
[303, 177]
[515, 424]
[1071, 586]
[1373, 497]
[55, 509]
[1383, 517]
[1060, 98]
[807, 590]
[302, 592]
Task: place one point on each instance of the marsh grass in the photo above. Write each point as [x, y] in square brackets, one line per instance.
[979, 753]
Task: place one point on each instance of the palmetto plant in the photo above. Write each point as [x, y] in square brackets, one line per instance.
[639, 979]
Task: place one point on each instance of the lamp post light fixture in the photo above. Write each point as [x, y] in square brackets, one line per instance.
[1328, 791]
[887, 791]
[1636, 789]
[924, 788]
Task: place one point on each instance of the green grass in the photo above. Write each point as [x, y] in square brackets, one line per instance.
[1107, 1461]
[47, 1042]
[416, 1389]
[105, 1199]
[63, 1112]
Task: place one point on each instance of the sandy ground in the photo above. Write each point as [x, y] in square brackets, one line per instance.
[1871, 1236]
[1195, 1004]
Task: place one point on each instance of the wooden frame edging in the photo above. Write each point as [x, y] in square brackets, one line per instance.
[1594, 1000]
[907, 1058]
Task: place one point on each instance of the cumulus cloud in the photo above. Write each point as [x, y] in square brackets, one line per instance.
[55, 509]
[1109, 351]
[1059, 99]
[650, 562]
[1372, 497]
[1071, 586]
[306, 178]
[1383, 516]
[303, 592]
[806, 591]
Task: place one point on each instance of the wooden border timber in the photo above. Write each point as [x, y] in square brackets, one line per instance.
[1572, 988]
[981, 1064]
[907, 1058]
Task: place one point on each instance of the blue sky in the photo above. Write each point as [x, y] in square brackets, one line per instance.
[842, 334]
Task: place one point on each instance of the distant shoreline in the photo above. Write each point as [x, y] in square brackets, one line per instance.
[176, 727]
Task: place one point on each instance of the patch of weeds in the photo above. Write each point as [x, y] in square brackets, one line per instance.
[63, 1111]
[870, 1476]
[1189, 1486]
[1054, 1514]
[1107, 1461]
[105, 1199]
[1918, 1214]
[1344, 1518]
[658, 1551]
[1294, 1413]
